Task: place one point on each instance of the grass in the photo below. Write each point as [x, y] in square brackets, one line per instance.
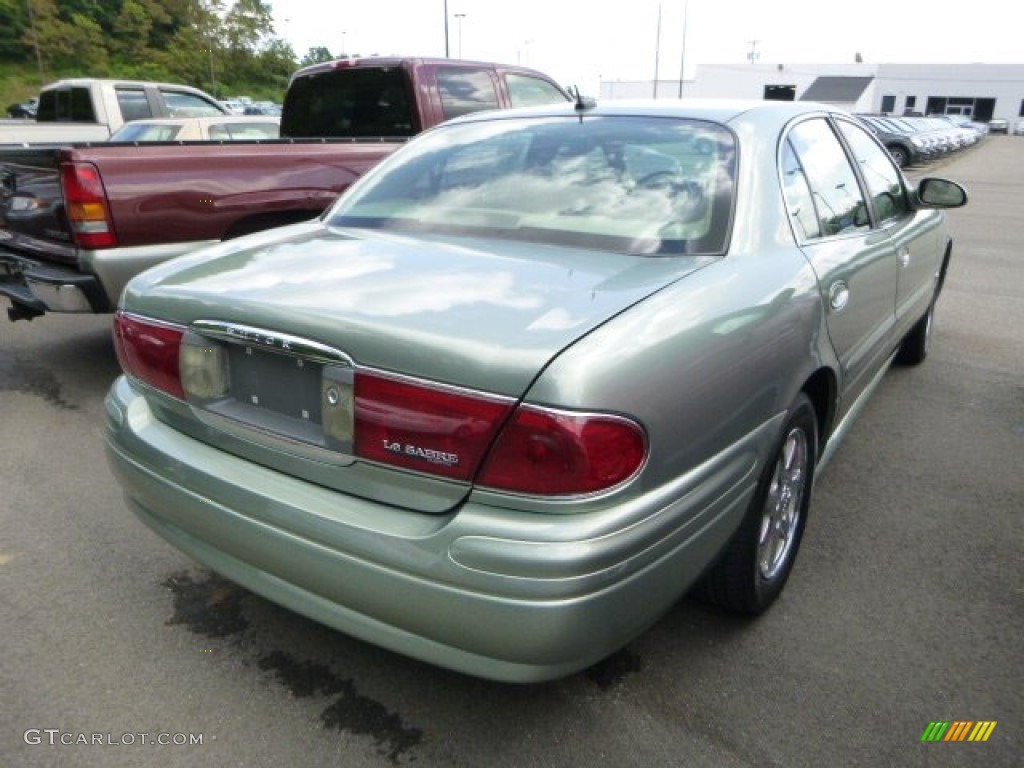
[19, 82]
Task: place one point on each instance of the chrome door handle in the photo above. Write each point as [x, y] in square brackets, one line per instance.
[904, 256]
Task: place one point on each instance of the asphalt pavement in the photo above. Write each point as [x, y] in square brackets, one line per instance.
[906, 606]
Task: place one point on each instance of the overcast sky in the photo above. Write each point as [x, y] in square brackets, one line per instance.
[587, 41]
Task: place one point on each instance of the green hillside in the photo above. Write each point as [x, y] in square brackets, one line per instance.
[224, 48]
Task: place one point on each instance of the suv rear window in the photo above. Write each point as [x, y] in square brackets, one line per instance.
[351, 102]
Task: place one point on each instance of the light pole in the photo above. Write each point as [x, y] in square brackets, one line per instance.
[446, 52]
[657, 52]
[460, 17]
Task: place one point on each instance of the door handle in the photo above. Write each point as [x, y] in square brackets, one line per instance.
[904, 256]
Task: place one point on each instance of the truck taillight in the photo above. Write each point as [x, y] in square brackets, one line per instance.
[85, 202]
[149, 351]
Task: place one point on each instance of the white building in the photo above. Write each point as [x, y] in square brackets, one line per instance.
[980, 91]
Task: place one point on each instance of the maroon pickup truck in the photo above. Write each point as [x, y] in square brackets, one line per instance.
[77, 222]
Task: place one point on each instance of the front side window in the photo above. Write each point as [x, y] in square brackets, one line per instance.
[838, 202]
[880, 175]
[633, 185]
[526, 91]
[465, 90]
[189, 105]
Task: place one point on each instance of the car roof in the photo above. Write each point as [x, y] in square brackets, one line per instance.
[79, 81]
[714, 110]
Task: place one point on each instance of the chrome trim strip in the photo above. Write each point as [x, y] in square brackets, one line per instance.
[843, 427]
[271, 340]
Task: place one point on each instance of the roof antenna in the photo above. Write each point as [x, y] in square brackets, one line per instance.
[582, 102]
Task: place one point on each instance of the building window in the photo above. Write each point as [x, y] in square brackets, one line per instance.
[780, 93]
[1021, 113]
[910, 104]
[888, 104]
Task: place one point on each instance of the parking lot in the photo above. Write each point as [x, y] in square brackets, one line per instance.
[905, 607]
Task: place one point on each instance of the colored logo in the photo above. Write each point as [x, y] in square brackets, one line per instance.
[959, 730]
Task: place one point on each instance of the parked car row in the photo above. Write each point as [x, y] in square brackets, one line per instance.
[916, 140]
[223, 128]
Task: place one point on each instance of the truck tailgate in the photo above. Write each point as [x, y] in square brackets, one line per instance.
[32, 218]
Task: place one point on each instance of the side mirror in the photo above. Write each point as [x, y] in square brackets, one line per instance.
[941, 193]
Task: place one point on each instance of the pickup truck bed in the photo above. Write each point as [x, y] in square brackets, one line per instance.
[78, 221]
[149, 198]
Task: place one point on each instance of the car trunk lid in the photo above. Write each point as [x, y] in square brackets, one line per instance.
[470, 322]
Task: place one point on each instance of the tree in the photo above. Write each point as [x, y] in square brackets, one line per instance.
[12, 31]
[86, 46]
[316, 55]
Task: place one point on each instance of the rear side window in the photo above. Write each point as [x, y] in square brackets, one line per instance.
[465, 90]
[134, 104]
[349, 102]
[526, 91]
[838, 202]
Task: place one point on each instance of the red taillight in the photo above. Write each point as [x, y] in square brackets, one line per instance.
[557, 453]
[85, 202]
[441, 431]
[149, 351]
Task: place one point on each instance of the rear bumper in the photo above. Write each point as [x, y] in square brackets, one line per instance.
[491, 592]
[35, 288]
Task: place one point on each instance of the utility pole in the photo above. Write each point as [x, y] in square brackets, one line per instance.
[753, 55]
[460, 17]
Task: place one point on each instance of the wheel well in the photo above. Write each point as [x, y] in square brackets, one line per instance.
[267, 221]
[821, 389]
[944, 267]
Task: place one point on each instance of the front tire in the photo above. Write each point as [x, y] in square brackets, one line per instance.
[899, 155]
[755, 565]
[914, 347]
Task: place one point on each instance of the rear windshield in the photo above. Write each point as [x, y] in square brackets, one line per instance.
[351, 102]
[146, 132]
[626, 184]
[66, 105]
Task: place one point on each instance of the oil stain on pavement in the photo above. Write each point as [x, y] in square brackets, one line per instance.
[212, 606]
[351, 711]
[17, 375]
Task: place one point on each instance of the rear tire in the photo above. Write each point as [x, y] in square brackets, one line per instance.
[755, 565]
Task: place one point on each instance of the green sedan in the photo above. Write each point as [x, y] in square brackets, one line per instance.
[532, 379]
